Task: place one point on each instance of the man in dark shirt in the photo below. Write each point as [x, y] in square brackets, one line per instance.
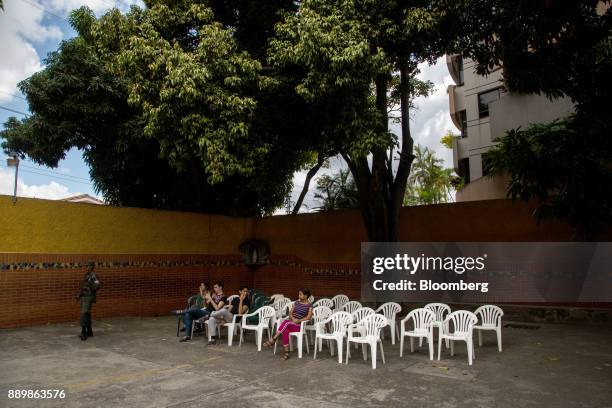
[240, 305]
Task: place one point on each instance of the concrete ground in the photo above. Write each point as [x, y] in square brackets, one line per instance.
[138, 362]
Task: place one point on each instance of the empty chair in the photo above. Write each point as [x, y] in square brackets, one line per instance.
[369, 334]
[390, 310]
[490, 319]
[339, 302]
[264, 314]
[319, 314]
[440, 310]
[333, 329]
[351, 306]
[358, 316]
[422, 323]
[324, 302]
[462, 322]
[276, 296]
[310, 299]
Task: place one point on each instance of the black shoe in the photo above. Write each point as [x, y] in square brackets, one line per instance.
[212, 342]
[89, 331]
[186, 338]
[83, 335]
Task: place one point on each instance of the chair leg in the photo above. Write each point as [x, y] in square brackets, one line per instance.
[382, 352]
[430, 344]
[259, 337]
[479, 338]
[452, 344]
[499, 338]
[439, 344]
[373, 347]
[300, 340]
[364, 351]
[420, 343]
[178, 326]
[469, 350]
[316, 347]
[412, 344]
[392, 328]
[402, 345]
[307, 345]
[339, 344]
[348, 351]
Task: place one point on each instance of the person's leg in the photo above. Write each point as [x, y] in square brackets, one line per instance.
[289, 328]
[189, 317]
[279, 332]
[214, 323]
[85, 305]
[89, 329]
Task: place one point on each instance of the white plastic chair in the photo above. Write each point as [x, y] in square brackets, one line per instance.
[422, 328]
[324, 302]
[390, 310]
[463, 326]
[490, 319]
[311, 299]
[319, 314]
[338, 323]
[264, 315]
[339, 302]
[300, 336]
[229, 301]
[358, 316]
[369, 334]
[440, 310]
[279, 309]
[351, 306]
[276, 296]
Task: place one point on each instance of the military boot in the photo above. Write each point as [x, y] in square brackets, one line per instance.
[83, 335]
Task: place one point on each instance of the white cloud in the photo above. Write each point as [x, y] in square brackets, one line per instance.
[20, 26]
[51, 190]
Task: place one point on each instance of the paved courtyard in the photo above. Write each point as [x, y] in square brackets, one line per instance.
[138, 362]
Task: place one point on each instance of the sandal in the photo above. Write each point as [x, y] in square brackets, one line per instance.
[269, 343]
[286, 354]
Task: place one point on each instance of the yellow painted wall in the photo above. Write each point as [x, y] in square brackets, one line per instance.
[48, 226]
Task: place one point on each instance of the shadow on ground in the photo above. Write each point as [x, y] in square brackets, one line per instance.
[138, 362]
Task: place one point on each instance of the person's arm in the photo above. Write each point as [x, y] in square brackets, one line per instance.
[308, 316]
[217, 306]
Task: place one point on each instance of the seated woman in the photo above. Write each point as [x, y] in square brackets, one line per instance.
[301, 311]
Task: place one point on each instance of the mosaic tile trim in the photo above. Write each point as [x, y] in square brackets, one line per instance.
[304, 266]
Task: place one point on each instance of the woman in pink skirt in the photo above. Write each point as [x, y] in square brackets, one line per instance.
[301, 311]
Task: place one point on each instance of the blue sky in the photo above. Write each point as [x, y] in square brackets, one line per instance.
[29, 29]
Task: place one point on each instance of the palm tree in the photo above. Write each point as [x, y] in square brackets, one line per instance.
[429, 182]
[337, 191]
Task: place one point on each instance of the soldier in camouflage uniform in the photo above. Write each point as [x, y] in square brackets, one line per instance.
[87, 296]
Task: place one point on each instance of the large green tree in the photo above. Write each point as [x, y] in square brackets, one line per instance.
[163, 101]
[364, 56]
[429, 181]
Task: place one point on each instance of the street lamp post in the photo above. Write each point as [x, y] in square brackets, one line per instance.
[13, 161]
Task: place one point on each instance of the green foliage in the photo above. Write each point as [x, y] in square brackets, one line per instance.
[337, 191]
[429, 182]
[568, 173]
[447, 139]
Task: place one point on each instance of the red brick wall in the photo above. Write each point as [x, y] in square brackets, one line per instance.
[44, 294]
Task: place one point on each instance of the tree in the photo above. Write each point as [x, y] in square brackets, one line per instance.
[337, 191]
[162, 101]
[364, 56]
[429, 182]
[556, 48]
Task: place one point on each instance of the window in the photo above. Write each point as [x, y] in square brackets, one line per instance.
[460, 69]
[464, 169]
[485, 98]
[486, 164]
[463, 119]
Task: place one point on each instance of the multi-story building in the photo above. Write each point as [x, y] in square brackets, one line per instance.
[482, 110]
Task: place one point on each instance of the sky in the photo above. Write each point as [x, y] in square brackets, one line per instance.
[29, 29]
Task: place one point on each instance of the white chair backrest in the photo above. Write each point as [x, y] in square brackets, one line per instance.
[440, 310]
[389, 310]
[372, 324]
[231, 298]
[339, 321]
[276, 296]
[265, 314]
[340, 301]
[422, 318]
[320, 313]
[463, 321]
[351, 306]
[361, 313]
[280, 304]
[490, 315]
[311, 299]
[324, 302]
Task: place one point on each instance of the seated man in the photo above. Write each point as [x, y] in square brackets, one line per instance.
[240, 305]
[212, 303]
[196, 302]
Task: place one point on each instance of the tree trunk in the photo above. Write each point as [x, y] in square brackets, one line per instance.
[306, 186]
